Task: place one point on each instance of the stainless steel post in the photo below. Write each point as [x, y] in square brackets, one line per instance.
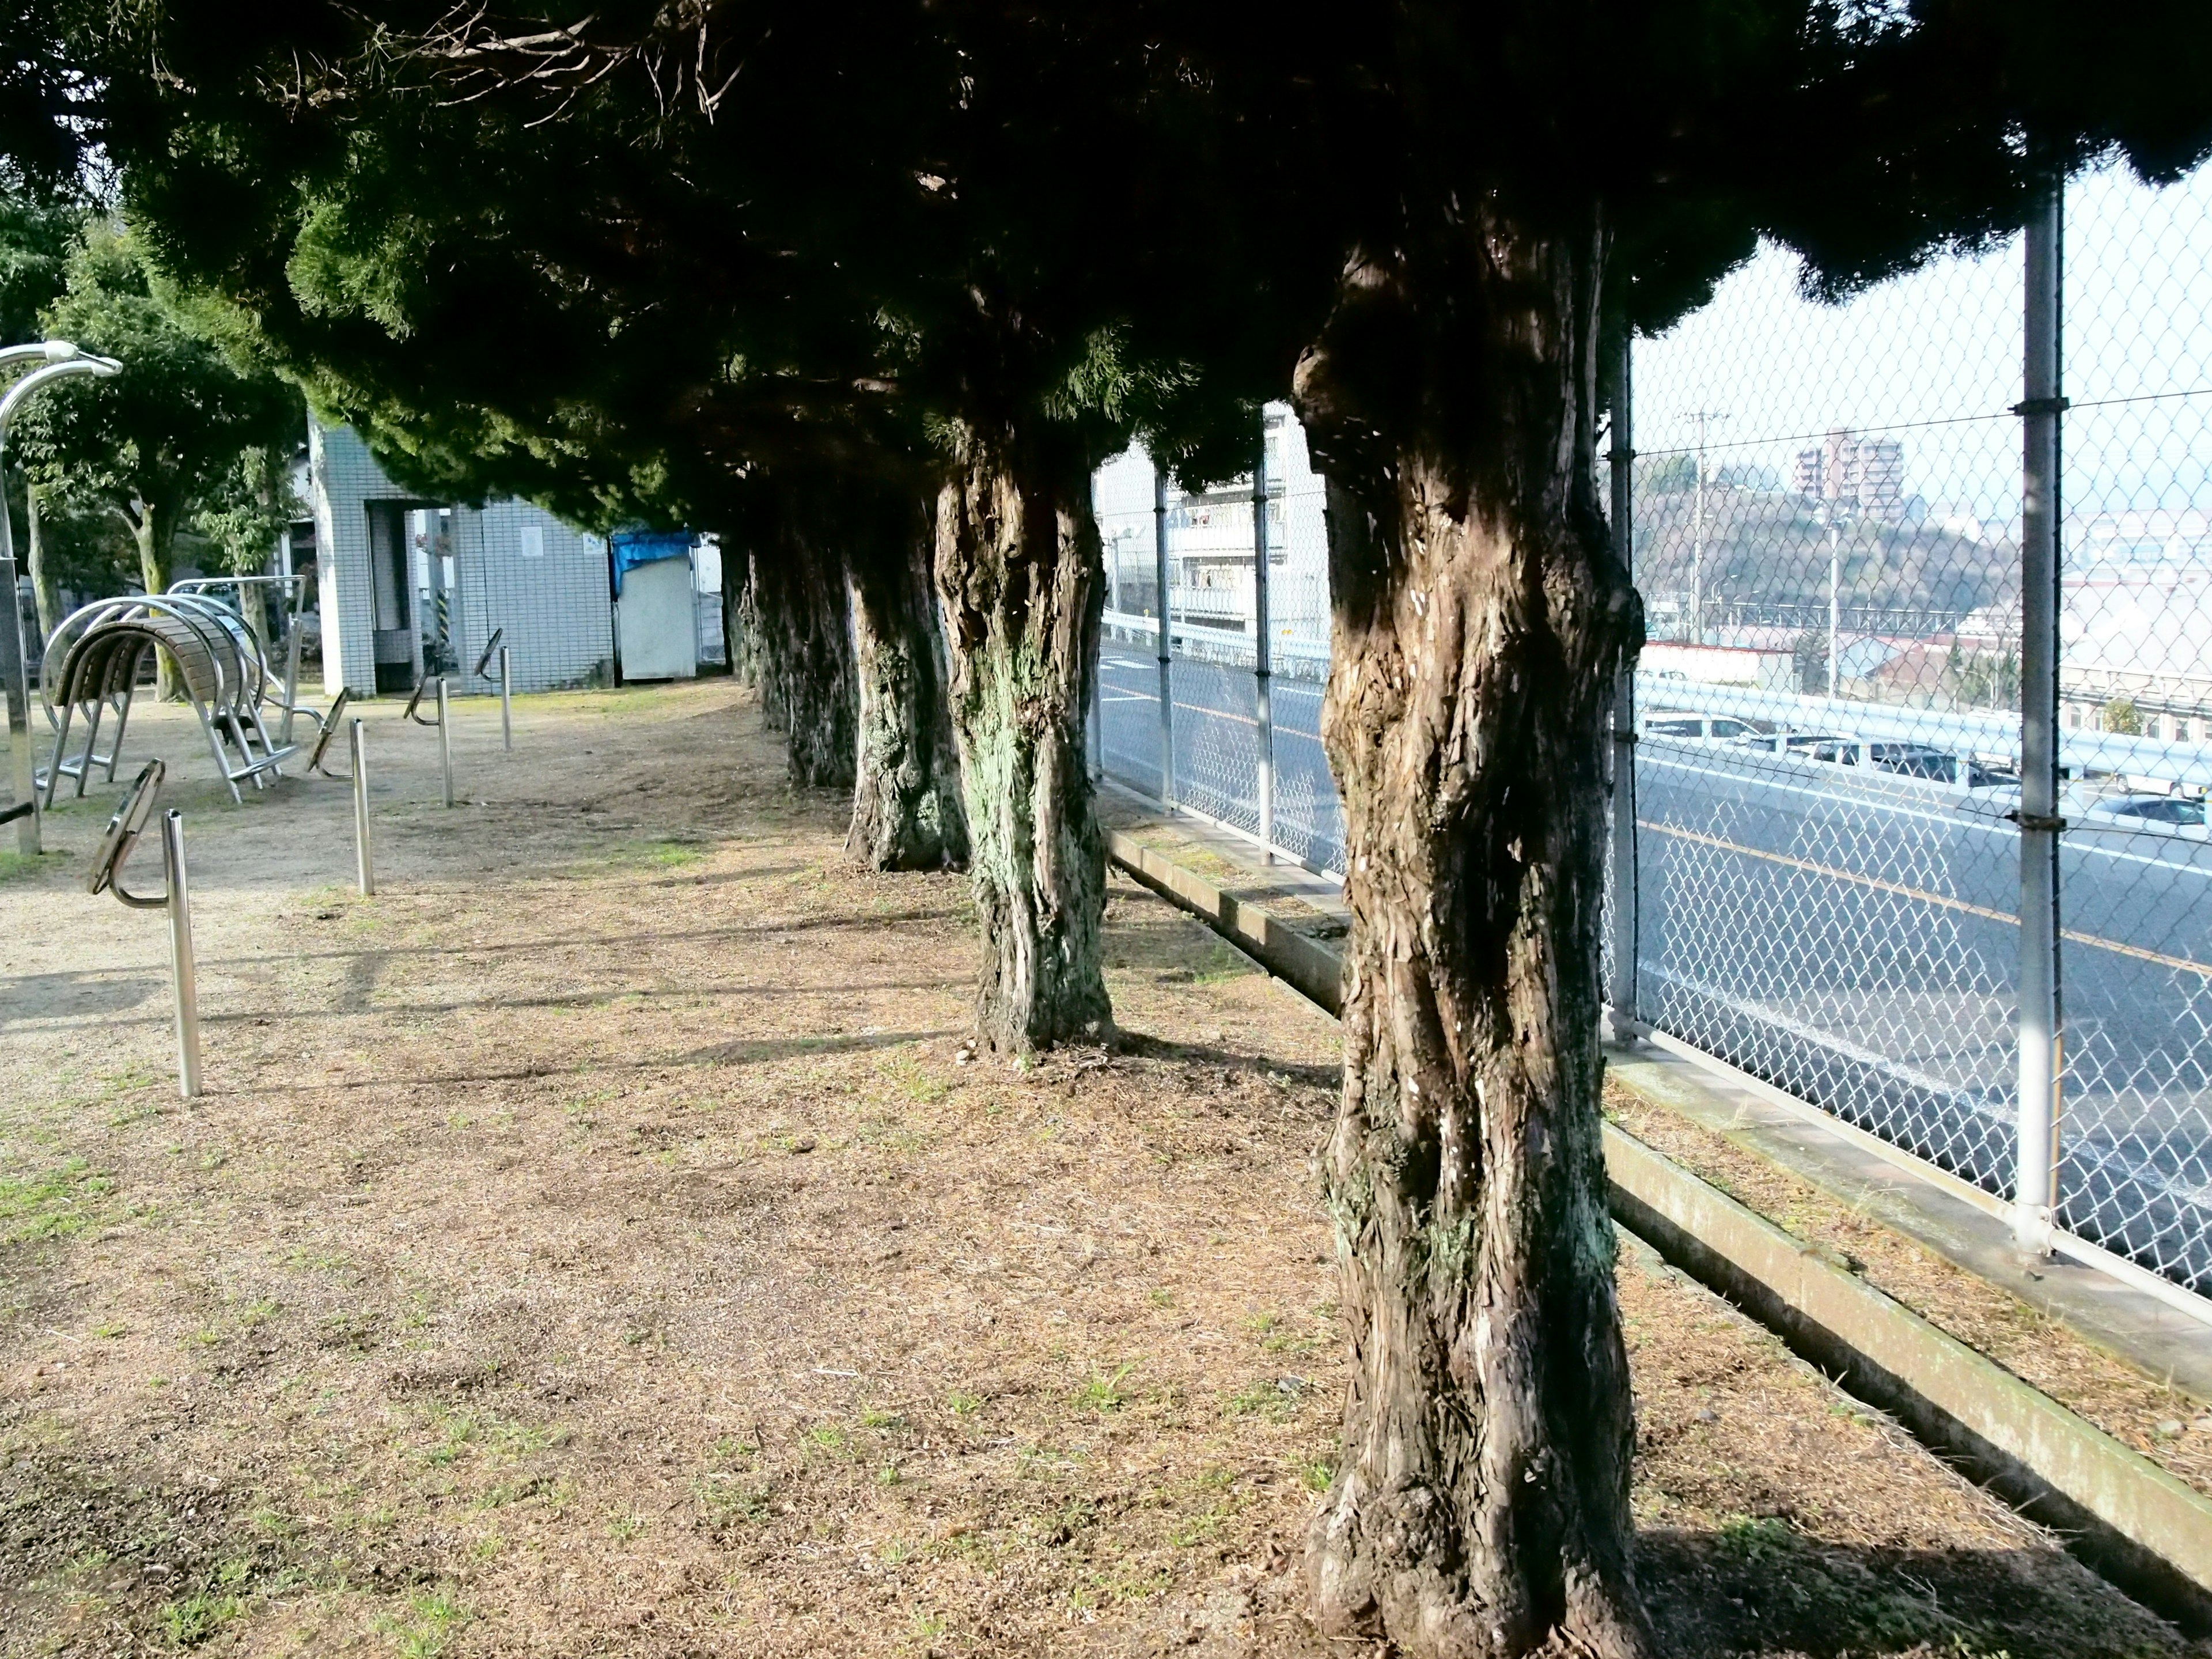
[445, 740]
[1621, 993]
[364, 864]
[1262, 635]
[296, 591]
[2036, 1180]
[181, 962]
[506, 701]
[1167, 643]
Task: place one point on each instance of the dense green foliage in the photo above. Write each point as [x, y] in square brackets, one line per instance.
[691, 242]
[183, 437]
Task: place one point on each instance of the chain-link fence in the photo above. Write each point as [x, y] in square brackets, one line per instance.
[1840, 581]
[1243, 654]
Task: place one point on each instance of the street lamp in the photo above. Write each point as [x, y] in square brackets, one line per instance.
[59, 360]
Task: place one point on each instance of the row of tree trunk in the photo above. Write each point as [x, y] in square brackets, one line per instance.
[1481, 619]
[934, 656]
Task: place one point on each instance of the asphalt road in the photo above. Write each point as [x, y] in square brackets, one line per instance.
[1850, 937]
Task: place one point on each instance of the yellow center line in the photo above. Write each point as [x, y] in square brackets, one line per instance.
[1851, 877]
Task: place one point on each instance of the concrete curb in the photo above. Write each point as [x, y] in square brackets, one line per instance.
[1312, 969]
[2147, 1532]
[2135, 1524]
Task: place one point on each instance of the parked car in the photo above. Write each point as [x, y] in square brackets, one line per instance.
[1700, 729]
[1913, 760]
[2145, 812]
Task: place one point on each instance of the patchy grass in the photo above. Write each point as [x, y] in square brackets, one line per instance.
[607, 1250]
[55, 1203]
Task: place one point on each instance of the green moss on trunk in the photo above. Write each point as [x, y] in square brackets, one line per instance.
[1022, 582]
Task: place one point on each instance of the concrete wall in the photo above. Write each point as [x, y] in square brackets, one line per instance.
[516, 567]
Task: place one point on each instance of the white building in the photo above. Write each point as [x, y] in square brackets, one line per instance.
[407, 587]
[1210, 551]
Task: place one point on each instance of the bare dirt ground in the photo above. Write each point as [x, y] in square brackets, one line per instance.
[596, 1243]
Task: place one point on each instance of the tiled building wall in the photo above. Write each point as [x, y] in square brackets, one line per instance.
[554, 602]
[516, 566]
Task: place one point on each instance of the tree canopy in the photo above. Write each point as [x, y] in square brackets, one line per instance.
[183, 433]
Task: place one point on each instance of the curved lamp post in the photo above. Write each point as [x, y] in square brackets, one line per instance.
[59, 361]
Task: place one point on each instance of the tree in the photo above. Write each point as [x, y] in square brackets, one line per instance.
[907, 808]
[1518, 184]
[622, 304]
[1449, 214]
[182, 431]
[38, 229]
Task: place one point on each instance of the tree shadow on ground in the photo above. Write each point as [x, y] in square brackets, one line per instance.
[1761, 1588]
[74, 995]
[1758, 1589]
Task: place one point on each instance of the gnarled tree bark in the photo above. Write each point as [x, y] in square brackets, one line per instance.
[741, 621]
[1021, 581]
[907, 812]
[1481, 1507]
[805, 644]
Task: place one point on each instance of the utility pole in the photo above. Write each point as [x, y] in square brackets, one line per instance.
[1835, 601]
[1704, 417]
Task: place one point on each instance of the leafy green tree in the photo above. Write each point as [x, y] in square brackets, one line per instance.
[184, 432]
[38, 232]
[858, 298]
[39, 227]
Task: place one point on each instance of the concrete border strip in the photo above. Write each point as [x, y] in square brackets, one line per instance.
[1309, 968]
[2148, 1532]
[2139, 1525]
[2135, 1278]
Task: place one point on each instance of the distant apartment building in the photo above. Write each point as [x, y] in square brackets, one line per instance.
[1211, 559]
[1860, 475]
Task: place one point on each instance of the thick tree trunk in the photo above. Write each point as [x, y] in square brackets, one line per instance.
[739, 622]
[805, 650]
[1020, 574]
[1481, 1507]
[907, 813]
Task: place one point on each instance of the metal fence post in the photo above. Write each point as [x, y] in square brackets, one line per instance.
[1167, 644]
[506, 701]
[1620, 995]
[181, 960]
[16, 676]
[445, 740]
[364, 865]
[1262, 635]
[2035, 1183]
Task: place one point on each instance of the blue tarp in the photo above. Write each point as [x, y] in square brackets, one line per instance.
[633, 548]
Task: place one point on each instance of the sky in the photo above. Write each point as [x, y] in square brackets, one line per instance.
[1934, 359]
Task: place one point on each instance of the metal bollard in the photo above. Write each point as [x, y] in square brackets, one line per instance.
[445, 740]
[364, 865]
[506, 701]
[181, 962]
